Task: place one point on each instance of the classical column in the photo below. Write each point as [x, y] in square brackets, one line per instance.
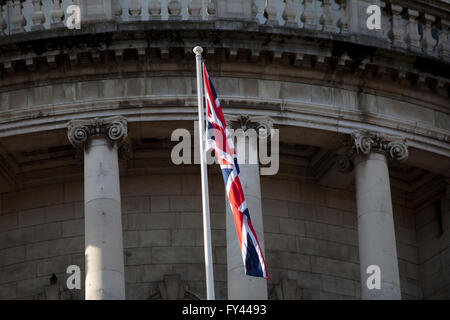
[100, 139]
[377, 246]
[241, 286]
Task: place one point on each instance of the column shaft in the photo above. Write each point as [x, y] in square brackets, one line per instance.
[241, 286]
[376, 232]
[103, 221]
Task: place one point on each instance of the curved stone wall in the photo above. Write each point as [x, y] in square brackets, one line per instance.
[311, 66]
[310, 237]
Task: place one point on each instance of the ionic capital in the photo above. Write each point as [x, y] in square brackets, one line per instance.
[366, 142]
[363, 143]
[262, 124]
[115, 129]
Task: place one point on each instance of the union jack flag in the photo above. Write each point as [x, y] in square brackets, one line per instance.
[220, 141]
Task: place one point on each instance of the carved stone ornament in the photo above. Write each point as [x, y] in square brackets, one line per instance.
[363, 143]
[262, 124]
[114, 128]
[286, 290]
[173, 288]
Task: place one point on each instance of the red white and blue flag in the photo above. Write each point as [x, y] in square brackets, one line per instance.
[221, 142]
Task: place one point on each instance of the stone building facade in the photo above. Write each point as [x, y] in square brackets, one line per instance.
[364, 123]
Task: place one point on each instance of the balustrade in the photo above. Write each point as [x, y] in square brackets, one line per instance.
[403, 27]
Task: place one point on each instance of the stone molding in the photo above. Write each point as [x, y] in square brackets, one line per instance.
[363, 143]
[114, 128]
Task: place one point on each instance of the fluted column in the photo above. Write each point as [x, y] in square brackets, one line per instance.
[241, 286]
[377, 246]
[100, 139]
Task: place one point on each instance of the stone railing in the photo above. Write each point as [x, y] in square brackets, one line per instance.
[405, 24]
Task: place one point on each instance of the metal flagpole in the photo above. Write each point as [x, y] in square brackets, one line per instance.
[205, 195]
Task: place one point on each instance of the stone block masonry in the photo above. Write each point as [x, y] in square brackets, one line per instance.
[310, 237]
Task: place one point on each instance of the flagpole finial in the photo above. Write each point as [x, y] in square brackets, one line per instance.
[198, 50]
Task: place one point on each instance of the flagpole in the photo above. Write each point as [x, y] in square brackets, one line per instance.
[204, 173]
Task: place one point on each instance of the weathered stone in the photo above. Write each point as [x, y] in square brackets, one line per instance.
[159, 203]
[135, 204]
[333, 267]
[60, 212]
[18, 271]
[151, 238]
[8, 291]
[65, 246]
[72, 228]
[153, 221]
[53, 265]
[31, 217]
[177, 255]
[12, 255]
[138, 256]
[37, 250]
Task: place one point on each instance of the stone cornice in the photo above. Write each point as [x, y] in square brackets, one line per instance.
[301, 114]
[94, 39]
